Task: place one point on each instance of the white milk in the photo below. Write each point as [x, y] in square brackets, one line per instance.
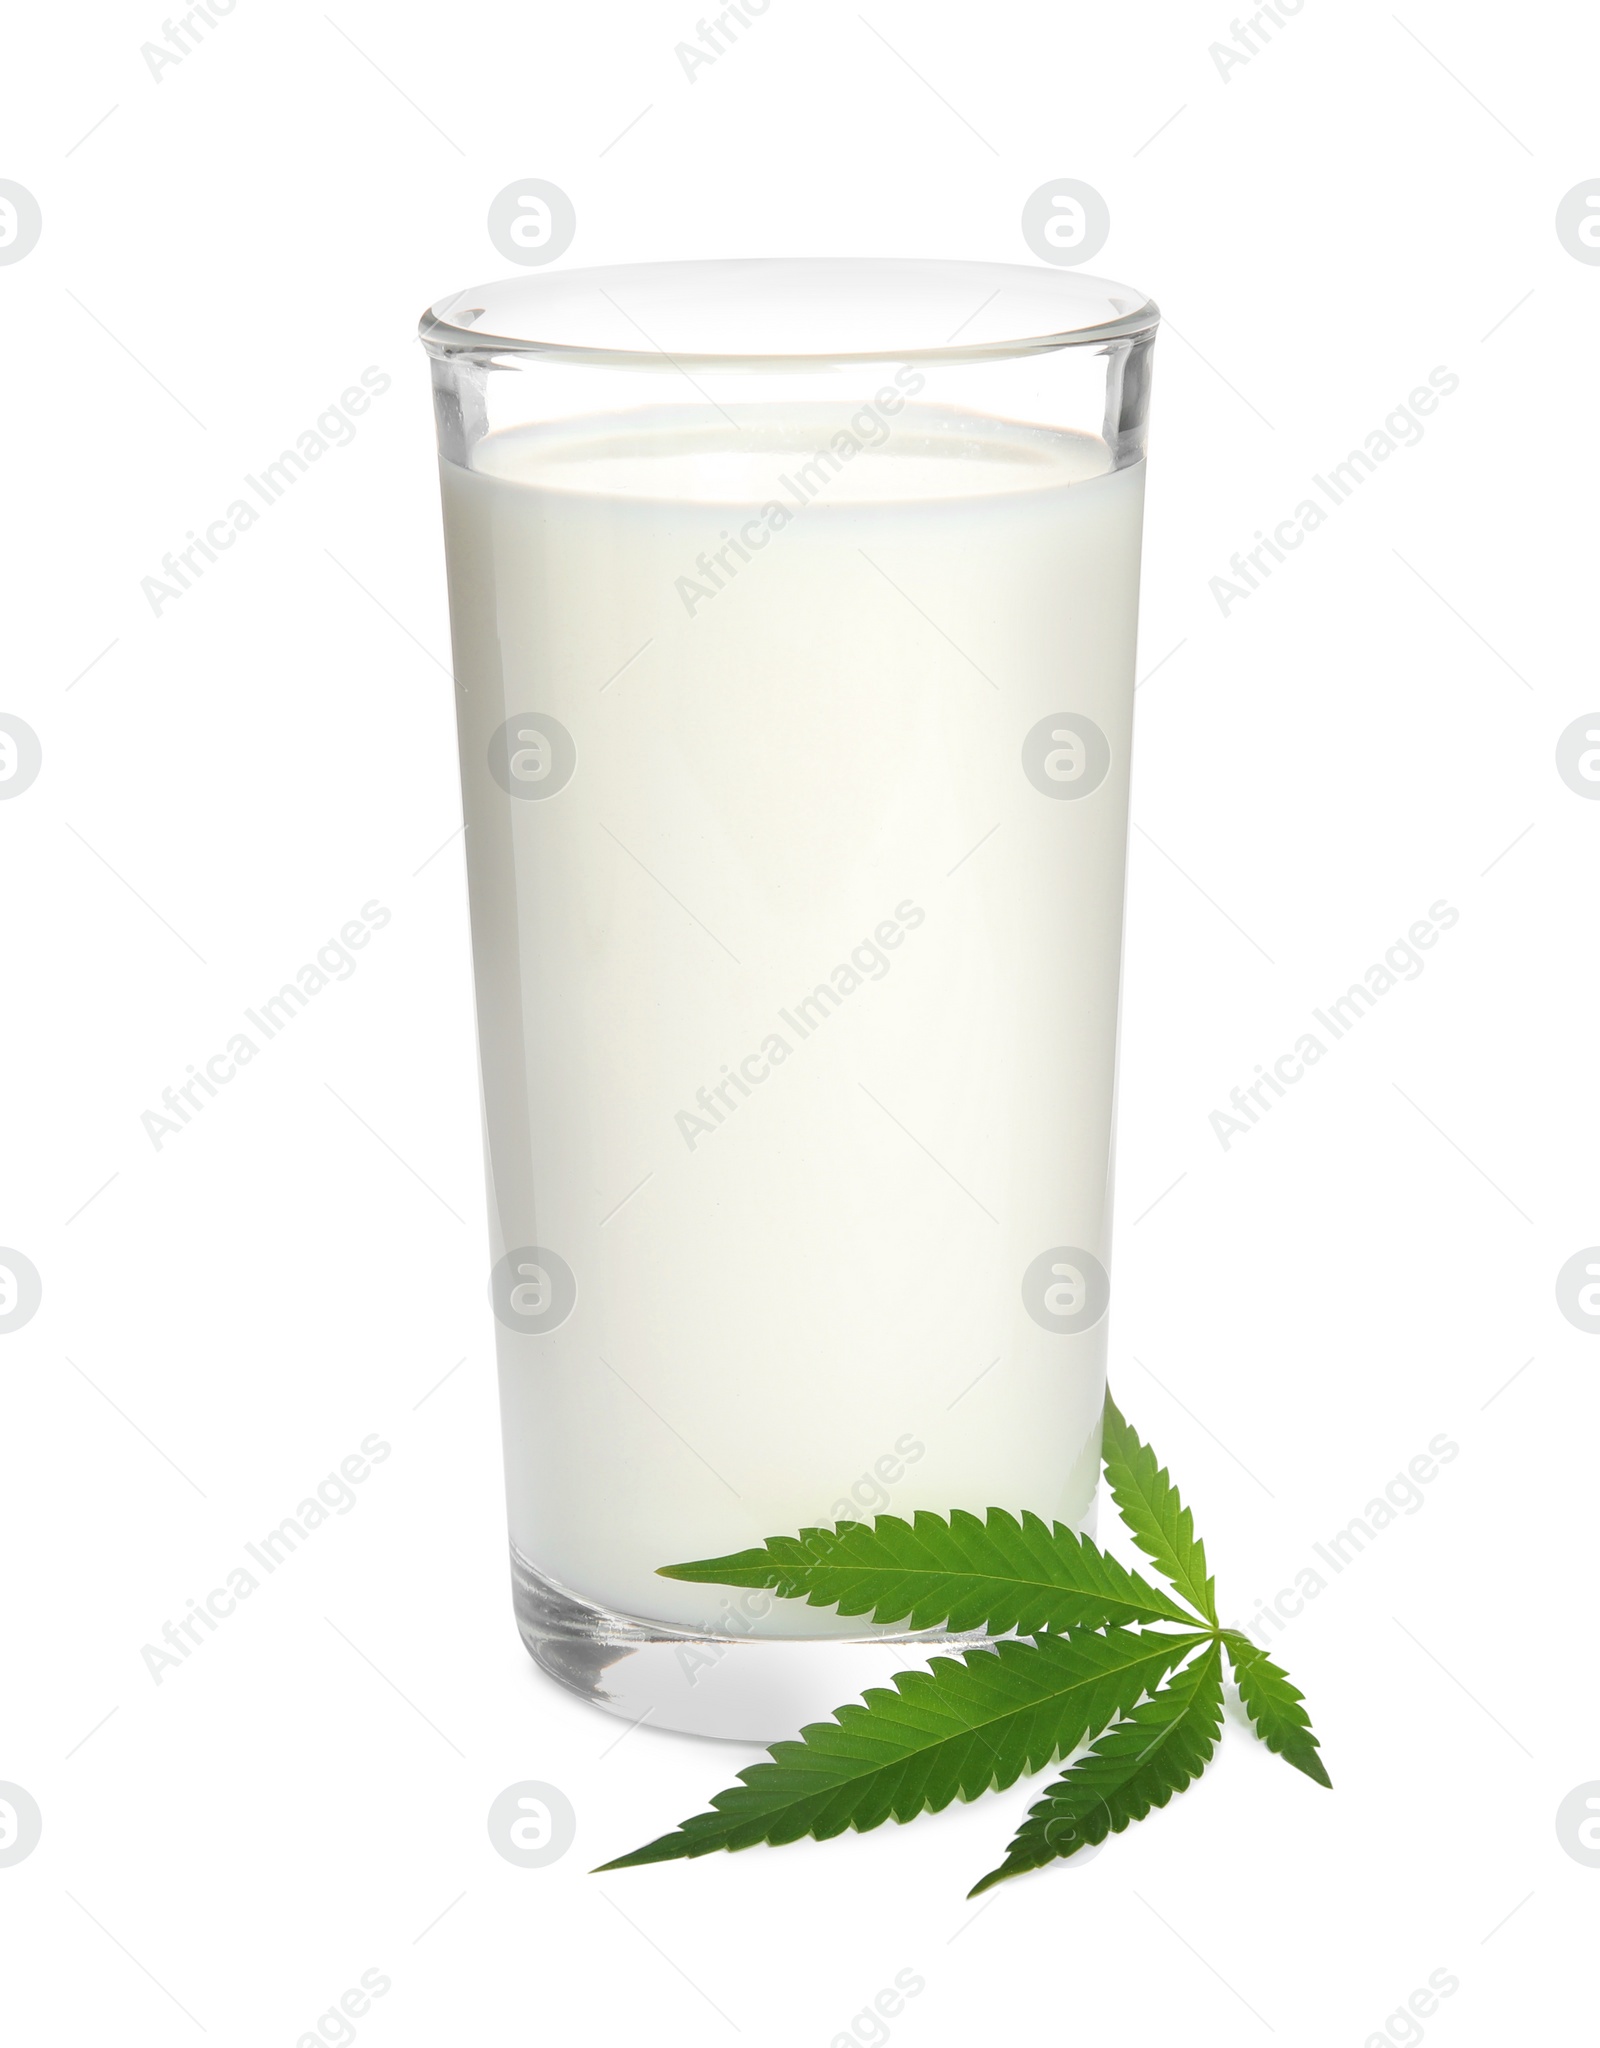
[798, 1225]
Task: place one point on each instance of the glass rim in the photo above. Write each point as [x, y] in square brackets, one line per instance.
[791, 313]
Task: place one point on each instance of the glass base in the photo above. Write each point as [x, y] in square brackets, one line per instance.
[738, 1689]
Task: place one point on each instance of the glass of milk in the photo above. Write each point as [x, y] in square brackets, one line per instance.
[793, 607]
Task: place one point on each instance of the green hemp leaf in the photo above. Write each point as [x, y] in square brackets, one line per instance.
[1157, 1519]
[1159, 1748]
[1077, 1663]
[997, 1573]
[961, 1727]
[1275, 1706]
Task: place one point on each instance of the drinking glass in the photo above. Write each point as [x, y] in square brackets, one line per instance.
[793, 607]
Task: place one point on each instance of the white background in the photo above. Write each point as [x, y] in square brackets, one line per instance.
[226, 784]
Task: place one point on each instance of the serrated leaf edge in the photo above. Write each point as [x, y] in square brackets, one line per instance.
[1207, 1693]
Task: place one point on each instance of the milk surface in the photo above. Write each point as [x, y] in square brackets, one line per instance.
[795, 781]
